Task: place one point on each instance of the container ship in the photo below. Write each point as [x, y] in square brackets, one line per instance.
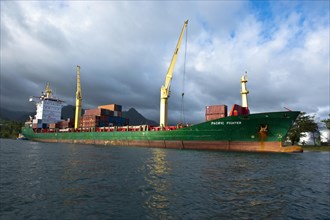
[234, 130]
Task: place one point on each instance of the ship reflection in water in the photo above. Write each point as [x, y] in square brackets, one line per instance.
[157, 171]
[70, 176]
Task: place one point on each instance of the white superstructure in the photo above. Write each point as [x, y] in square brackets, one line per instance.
[48, 107]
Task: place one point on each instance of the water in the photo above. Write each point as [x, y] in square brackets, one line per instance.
[67, 181]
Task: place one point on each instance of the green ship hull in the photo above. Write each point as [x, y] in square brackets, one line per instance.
[263, 132]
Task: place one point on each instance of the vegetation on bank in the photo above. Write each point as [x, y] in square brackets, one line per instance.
[10, 129]
[316, 148]
[305, 124]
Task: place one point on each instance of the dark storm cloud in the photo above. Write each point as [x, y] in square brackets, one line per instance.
[124, 49]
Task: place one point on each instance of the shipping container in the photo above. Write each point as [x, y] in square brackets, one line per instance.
[92, 112]
[112, 107]
[102, 121]
[52, 125]
[103, 124]
[89, 124]
[89, 118]
[110, 112]
[104, 118]
[98, 112]
[64, 124]
[216, 109]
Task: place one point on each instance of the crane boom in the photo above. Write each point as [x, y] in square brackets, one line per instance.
[48, 91]
[78, 100]
[165, 89]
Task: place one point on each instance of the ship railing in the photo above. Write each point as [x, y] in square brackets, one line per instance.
[166, 128]
[131, 128]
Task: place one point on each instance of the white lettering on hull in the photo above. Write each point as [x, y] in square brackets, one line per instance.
[227, 123]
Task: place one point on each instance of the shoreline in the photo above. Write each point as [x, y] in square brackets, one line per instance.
[315, 148]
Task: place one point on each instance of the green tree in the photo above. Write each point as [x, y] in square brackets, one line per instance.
[327, 122]
[10, 129]
[327, 125]
[303, 124]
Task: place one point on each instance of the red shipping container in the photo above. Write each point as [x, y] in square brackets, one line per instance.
[90, 118]
[89, 124]
[62, 124]
[216, 109]
[98, 112]
[92, 112]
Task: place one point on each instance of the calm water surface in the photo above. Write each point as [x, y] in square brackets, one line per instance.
[67, 181]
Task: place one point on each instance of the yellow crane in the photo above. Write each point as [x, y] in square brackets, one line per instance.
[48, 91]
[78, 100]
[165, 89]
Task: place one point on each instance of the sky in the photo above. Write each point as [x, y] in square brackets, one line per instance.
[124, 49]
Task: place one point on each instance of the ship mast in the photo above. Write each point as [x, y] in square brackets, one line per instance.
[244, 93]
[78, 100]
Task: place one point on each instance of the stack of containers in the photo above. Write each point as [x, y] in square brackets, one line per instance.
[95, 118]
[64, 124]
[88, 121]
[104, 116]
[116, 109]
[215, 112]
[118, 118]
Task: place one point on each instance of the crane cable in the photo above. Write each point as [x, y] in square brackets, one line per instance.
[183, 119]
